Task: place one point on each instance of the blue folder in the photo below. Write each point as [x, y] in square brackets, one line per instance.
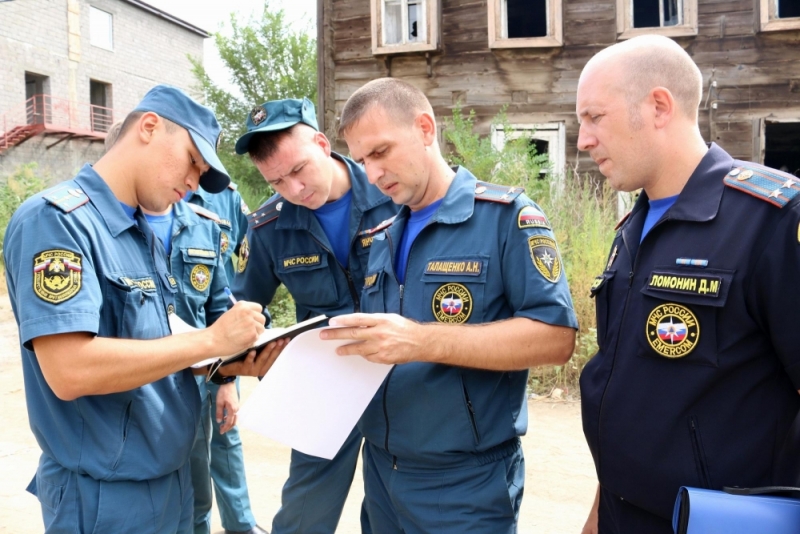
[701, 511]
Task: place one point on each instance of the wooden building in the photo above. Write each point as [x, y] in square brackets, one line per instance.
[528, 54]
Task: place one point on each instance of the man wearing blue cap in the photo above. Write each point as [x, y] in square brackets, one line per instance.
[113, 410]
[314, 236]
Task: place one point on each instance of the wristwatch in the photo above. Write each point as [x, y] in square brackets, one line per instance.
[219, 379]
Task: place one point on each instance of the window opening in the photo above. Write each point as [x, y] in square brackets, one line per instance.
[782, 146]
[524, 18]
[403, 21]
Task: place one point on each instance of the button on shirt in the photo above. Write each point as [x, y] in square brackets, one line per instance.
[93, 270]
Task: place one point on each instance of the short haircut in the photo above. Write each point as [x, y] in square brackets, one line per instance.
[264, 145]
[650, 61]
[398, 98]
[132, 118]
[112, 135]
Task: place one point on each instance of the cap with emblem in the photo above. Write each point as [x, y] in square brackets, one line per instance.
[277, 115]
[174, 105]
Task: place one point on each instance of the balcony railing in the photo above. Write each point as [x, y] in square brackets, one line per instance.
[57, 115]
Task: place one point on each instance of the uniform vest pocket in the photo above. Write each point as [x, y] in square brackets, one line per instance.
[600, 292]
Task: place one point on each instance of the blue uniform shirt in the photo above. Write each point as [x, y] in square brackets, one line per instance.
[231, 211]
[481, 258]
[75, 262]
[195, 265]
[695, 383]
[286, 244]
[656, 210]
[162, 227]
[334, 217]
[417, 220]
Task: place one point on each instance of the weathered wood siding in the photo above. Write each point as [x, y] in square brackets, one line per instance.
[757, 74]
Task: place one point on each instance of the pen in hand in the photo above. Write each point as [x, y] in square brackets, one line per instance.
[230, 296]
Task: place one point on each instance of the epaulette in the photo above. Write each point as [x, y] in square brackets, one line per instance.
[497, 193]
[203, 212]
[622, 221]
[775, 187]
[67, 198]
[266, 213]
[382, 226]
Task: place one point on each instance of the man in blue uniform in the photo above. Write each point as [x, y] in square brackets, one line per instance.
[218, 455]
[109, 398]
[217, 452]
[465, 291]
[314, 236]
[695, 383]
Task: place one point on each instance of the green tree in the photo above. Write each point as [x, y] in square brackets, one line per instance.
[25, 181]
[267, 60]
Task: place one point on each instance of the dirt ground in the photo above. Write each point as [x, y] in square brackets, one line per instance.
[559, 485]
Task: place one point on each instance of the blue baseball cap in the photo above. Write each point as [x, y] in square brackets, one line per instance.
[173, 104]
[277, 115]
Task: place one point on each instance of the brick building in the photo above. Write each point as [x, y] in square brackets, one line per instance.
[73, 67]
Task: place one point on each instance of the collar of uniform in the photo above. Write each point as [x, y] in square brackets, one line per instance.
[184, 214]
[699, 201]
[459, 201]
[103, 200]
[204, 196]
[365, 195]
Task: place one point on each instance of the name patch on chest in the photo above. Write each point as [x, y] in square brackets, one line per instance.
[707, 286]
[201, 253]
[370, 280]
[145, 284]
[366, 242]
[467, 267]
[300, 261]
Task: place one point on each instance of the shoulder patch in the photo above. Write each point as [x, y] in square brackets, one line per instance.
[531, 217]
[57, 275]
[66, 198]
[382, 226]
[497, 193]
[622, 221]
[266, 213]
[203, 212]
[772, 186]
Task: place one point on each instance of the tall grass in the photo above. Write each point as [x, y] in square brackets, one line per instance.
[582, 211]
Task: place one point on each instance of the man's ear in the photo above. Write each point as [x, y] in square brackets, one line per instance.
[427, 125]
[147, 125]
[663, 105]
[322, 140]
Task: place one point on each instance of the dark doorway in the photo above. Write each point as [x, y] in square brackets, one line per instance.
[537, 148]
[38, 106]
[782, 146]
[100, 99]
[526, 18]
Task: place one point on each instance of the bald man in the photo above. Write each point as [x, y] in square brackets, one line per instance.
[695, 382]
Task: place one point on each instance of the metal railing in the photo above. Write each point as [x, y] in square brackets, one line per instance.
[55, 113]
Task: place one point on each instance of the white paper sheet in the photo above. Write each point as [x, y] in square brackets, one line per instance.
[311, 398]
[179, 326]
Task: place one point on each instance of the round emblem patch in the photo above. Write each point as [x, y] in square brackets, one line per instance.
[200, 277]
[224, 242]
[244, 255]
[672, 330]
[452, 303]
[544, 254]
[258, 115]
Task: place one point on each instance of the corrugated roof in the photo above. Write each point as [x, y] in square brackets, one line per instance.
[166, 16]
